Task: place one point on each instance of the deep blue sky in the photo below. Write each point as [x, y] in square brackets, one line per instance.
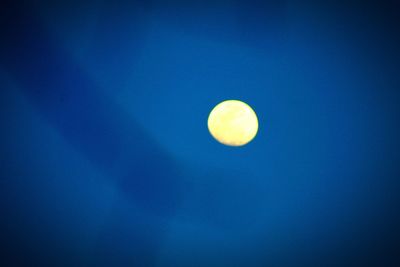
[105, 156]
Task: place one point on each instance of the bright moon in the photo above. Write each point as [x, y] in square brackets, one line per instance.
[233, 123]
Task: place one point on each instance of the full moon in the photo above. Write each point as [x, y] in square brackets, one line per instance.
[233, 123]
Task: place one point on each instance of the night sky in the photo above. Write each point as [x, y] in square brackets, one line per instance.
[105, 155]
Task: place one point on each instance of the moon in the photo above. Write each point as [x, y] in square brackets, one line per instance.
[233, 123]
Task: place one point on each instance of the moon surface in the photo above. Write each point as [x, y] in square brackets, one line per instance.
[233, 123]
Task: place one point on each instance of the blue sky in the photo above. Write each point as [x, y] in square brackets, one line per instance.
[107, 159]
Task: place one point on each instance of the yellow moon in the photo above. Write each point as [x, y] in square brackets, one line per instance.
[233, 123]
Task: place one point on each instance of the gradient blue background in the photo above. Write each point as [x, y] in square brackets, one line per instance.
[105, 156]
